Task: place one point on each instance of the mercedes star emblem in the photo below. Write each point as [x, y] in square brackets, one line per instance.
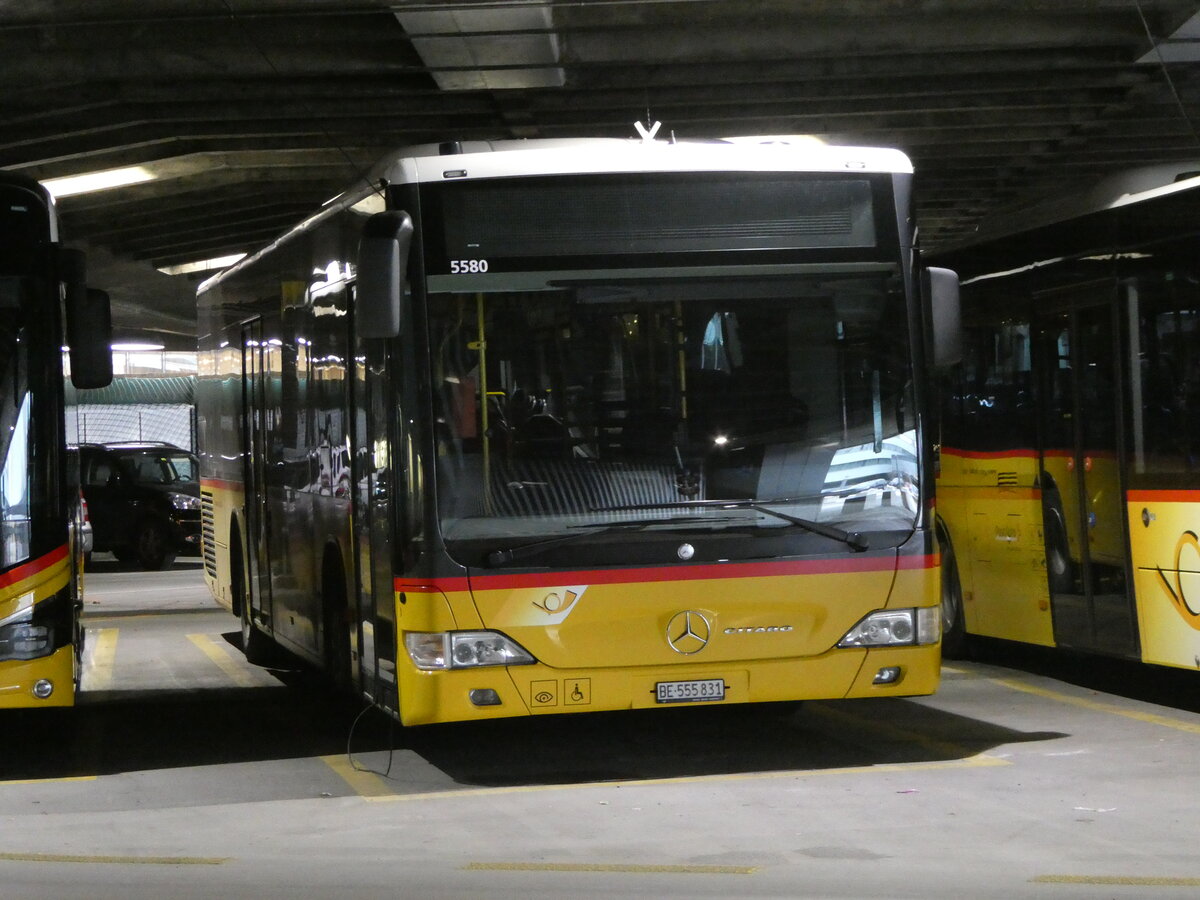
[687, 632]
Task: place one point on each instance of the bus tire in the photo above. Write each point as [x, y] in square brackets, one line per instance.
[954, 632]
[256, 646]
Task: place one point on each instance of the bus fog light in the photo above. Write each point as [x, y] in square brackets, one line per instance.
[883, 628]
[887, 675]
[43, 688]
[484, 697]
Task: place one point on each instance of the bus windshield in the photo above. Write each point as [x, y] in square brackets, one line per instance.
[14, 429]
[606, 401]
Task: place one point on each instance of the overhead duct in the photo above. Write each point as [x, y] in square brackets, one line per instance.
[471, 47]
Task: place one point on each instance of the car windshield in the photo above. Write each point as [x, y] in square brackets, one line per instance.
[151, 467]
[575, 407]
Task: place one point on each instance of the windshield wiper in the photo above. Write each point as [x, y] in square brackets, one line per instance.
[497, 558]
[851, 539]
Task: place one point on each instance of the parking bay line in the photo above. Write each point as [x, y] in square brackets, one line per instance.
[1096, 706]
[119, 860]
[224, 660]
[626, 868]
[100, 658]
[1118, 880]
[364, 782]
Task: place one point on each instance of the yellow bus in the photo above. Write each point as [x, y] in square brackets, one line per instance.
[40, 566]
[1070, 456]
[563, 426]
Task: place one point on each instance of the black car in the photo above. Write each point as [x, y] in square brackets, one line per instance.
[143, 500]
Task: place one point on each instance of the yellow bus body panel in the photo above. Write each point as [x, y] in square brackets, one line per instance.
[1165, 553]
[220, 503]
[27, 586]
[17, 678]
[993, 512]
[604, 646]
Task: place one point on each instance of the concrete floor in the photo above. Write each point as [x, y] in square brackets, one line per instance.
[185, 772]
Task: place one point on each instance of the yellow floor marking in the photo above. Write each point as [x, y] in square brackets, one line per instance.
[125, 860]
[49, 780]
[1132, 880]
[611, 867]
[223, 659]
[975, 762]
[1096, 706]
[931, 745]
[365, 784]
[101, 657]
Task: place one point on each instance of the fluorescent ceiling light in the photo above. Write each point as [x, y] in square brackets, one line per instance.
[203, 265]
[97, 181]
[137, 348]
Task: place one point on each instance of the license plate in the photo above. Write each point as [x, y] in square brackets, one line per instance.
[698, 691]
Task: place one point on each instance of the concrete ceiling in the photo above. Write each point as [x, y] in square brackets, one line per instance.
[250, 113]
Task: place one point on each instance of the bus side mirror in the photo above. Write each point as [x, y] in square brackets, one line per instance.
[382, 262]
[941, 287]
[89, 323]
[89, 335]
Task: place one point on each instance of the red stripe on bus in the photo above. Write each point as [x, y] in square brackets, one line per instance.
[1021, 453]
[512, 581]
[33, 567]
[1165, 496]
[211, 483]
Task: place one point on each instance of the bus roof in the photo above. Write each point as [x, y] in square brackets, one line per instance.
[563, 156]
[1114, 191]
[501, 159]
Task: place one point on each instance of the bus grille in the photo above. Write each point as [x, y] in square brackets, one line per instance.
[208, 533]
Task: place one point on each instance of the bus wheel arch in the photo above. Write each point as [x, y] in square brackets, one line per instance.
[1059, 572]
[954, 634]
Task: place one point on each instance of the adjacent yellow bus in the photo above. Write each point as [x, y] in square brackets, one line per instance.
[1070, 459]
[40, 567]
[562, 426]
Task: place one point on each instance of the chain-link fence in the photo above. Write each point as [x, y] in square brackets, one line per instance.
[134, 409]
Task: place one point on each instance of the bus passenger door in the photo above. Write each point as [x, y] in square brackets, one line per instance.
[254, 453]
[374, 486]
[1082, 484]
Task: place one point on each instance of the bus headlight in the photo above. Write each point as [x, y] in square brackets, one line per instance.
[464, 650]
[23, 639]
[895, 627]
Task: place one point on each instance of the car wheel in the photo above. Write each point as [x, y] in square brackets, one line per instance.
[153, 546]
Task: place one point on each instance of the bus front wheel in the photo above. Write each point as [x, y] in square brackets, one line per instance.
[954, 633]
